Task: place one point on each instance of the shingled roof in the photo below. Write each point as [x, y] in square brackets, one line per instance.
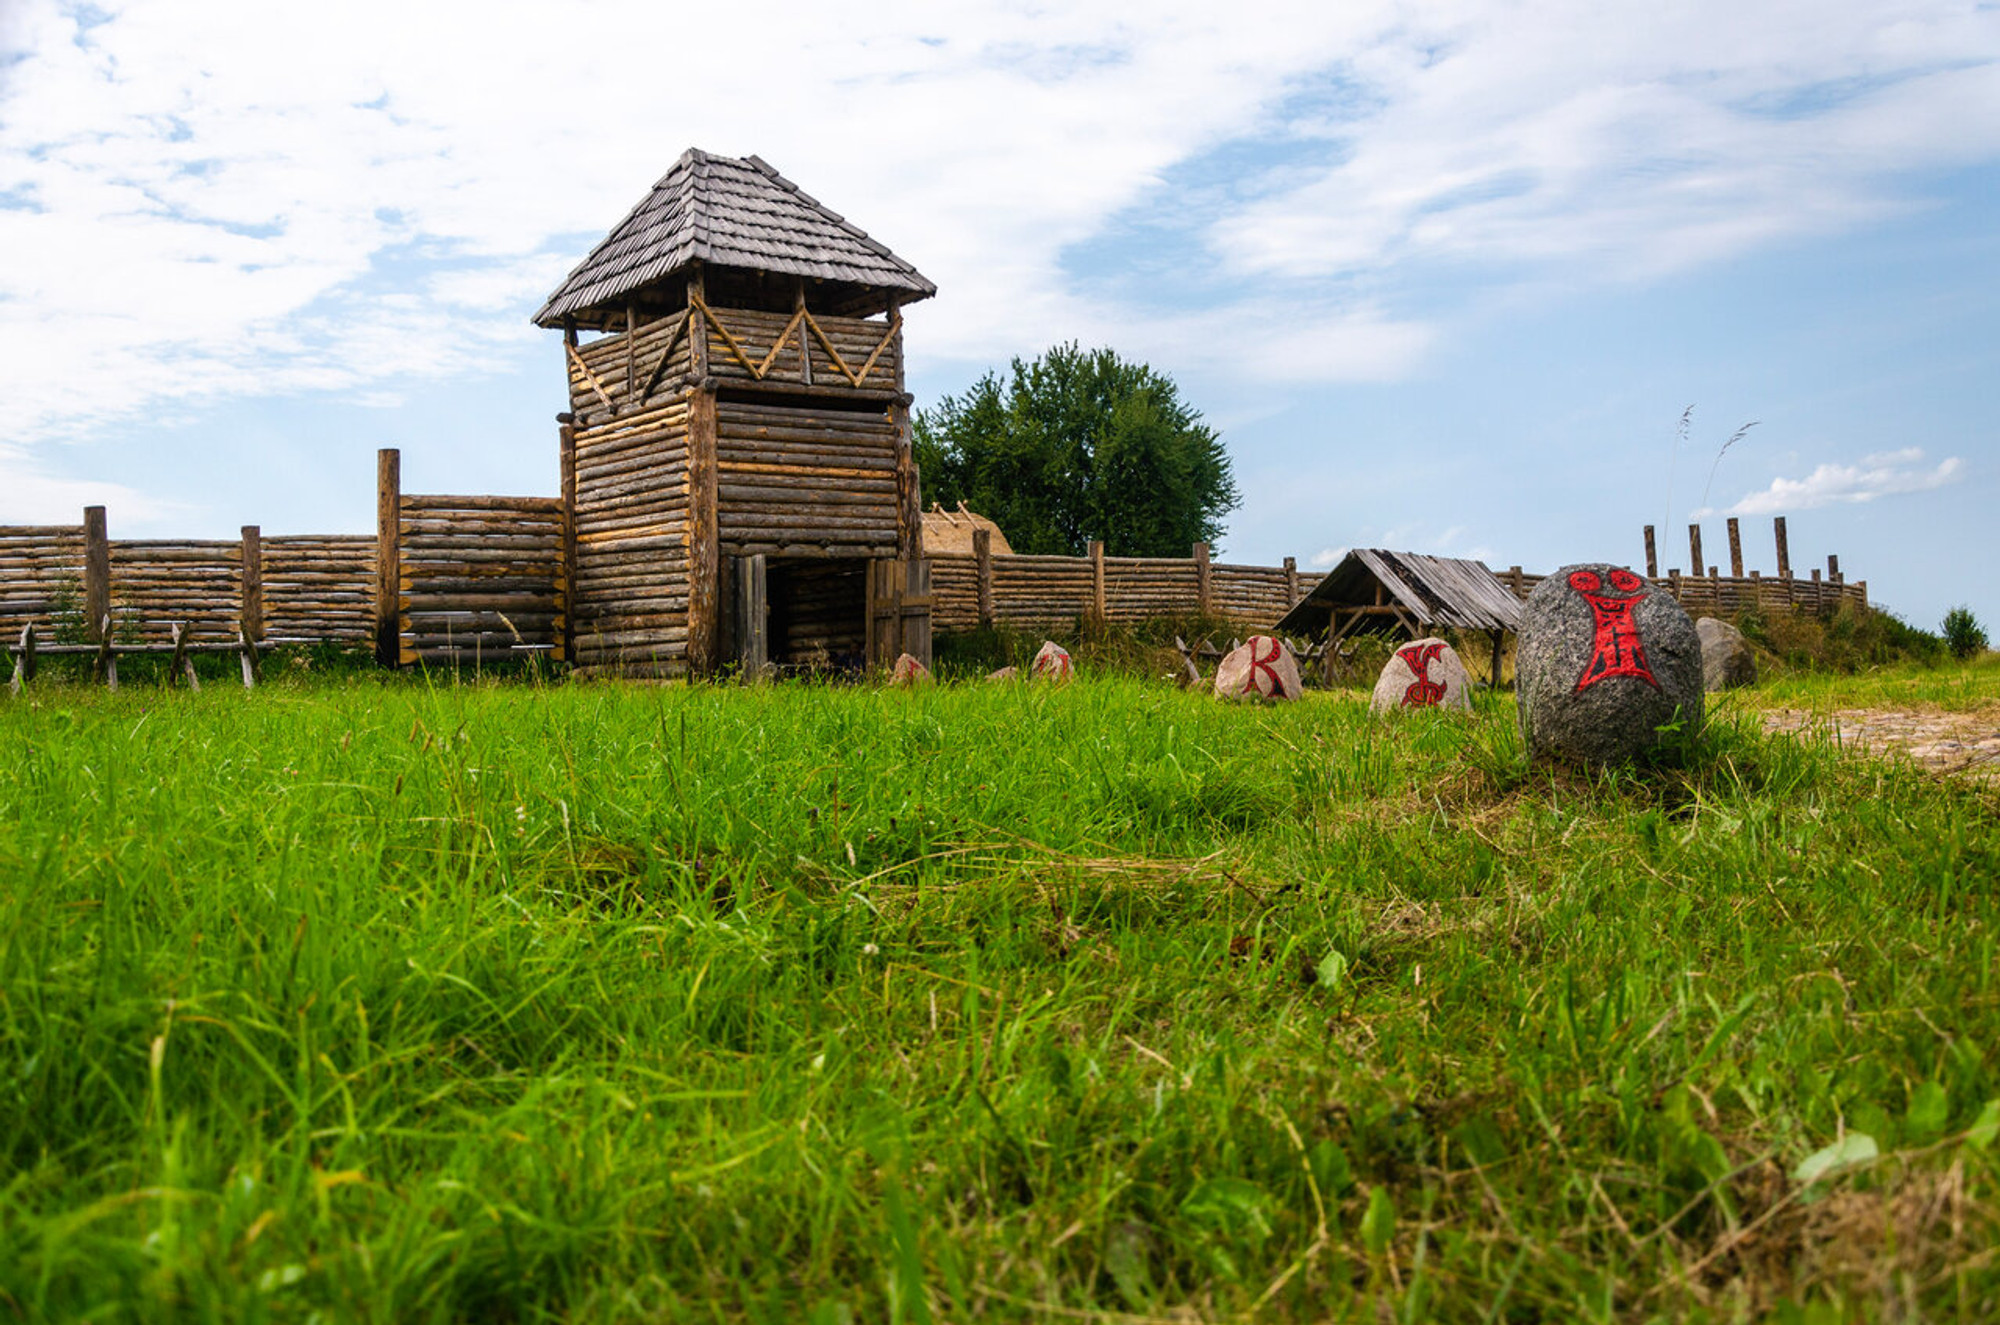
[1428, 591]
[729, 212]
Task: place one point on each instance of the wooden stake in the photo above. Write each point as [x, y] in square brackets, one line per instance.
[96, 573]
[1203, 588]
[251, 603]
[24, 660]
[1784, 548]
[1652, 556]
[388, 567]
[246, 652]
[704, 536]
[107, 661]
[1695, 558]
[566, 574]
[1291, 583]
[982, 551]
[1097, 581]
[1735, 549]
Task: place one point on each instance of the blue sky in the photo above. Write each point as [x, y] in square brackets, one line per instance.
[1446, 275]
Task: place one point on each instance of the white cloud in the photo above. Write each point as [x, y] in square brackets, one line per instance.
[201, 200]
[1326, 558]
[1881, 475]
[29, 495]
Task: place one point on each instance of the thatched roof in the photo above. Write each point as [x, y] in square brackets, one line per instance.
[727, 212]
[1451, 592]
[951, 531]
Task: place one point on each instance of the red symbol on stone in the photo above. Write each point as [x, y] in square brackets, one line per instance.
[1423, 692]
[1264, 665]
[1616, 649]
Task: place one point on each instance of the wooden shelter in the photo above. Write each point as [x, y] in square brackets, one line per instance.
[736, 459]
[951, 533]
[1374, 591]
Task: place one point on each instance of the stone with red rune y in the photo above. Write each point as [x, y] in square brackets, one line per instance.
[1259, 668]
[1423, 674]
[908, 672]
[1605, 663]
[1052, 664]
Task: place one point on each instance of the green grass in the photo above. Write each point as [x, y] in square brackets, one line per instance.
[346, 1000]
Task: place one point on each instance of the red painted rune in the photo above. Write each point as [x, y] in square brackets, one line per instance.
[1616, 649]
[1423, 692]
[1250, 685]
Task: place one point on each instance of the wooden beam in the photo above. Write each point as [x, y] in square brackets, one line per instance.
[1291, 583]
[1097, 581]
[1204, 589]
[1784, 548]
[1735, 549]
[388, 567]
[96, 572]
[1652, 556]
[1695, 559]
[251, 604]
[566, 573]
[909, 492]
[704, 536]
[982, 552]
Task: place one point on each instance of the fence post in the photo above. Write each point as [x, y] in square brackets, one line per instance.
[388, 555]
[566, 574]
[1097, 580]
[982, 552]
[1291, 583]
[1833, 567]
[1203, 594]
[1695, 559]
[1514, 579]
[250, 615]
[1784, 548]
[1735, 549]
[96, 573]
[1652, 556]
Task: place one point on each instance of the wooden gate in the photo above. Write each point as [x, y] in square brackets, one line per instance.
[899, 611]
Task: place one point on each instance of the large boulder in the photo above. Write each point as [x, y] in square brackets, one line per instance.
[1727, 660]
[1052, 664]
[1421, 675]
[1259, 668]
[908, 672]
[1603, 662]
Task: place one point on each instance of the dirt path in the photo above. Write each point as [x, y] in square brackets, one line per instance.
[1967, 742]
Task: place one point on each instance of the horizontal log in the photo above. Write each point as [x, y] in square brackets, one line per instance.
[431, 502]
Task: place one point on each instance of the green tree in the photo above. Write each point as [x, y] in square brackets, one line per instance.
[1079, 445]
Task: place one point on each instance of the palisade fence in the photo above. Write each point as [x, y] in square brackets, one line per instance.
[465, 578]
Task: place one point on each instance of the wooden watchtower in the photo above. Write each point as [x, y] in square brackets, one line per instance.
[736, 459]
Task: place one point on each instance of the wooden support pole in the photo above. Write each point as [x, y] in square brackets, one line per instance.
[805, 344]
[107, 661]
[251, 604]
[909, 492]
[246, 653]
[1833, 567]
[704, 536]
[24, 660]
[982, 552]
[388, 562]
[1517, 581]
[1735, 549]
[96, 574]
[181, 667]
[565, 640]
[1204, 595]
[1695, 559]
[631, 354]
[1784, 548]
[1652, 556]
[698, 328]
[1291, 583]
[1497, 636]
[1097, 581]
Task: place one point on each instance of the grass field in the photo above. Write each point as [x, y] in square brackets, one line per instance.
[358, 1000]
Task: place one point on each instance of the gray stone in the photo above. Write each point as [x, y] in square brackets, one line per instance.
[1727, 660]
[1603, 662]
[1260, 668]
[1425, 673]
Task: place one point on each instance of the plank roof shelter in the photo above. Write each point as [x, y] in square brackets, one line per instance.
[1405, 592]
[733, 213]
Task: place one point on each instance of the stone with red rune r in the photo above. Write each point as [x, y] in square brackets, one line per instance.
[908, 672]
[1259, 668]
[1052, 664]
[1425, 673]
[1605, 662]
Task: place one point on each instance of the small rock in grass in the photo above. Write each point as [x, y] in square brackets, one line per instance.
[1003, 674]
[1052, 664]
[1259, 668]
[1604, 661]
[908, 672]
[1421, 675]
[1727, 660]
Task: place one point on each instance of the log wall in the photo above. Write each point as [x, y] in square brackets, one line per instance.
[630, 578]
[157, 582]
[478, 575]
[1047, 593]
[319, 587]
[801, 479]
[41, 576]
